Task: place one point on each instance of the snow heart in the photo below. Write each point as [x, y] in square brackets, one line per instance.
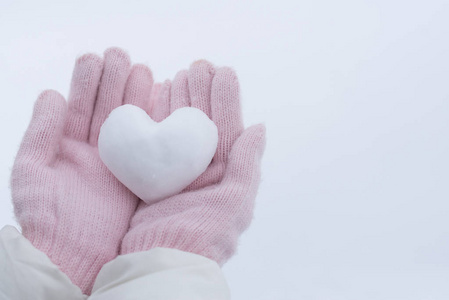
[157, 160]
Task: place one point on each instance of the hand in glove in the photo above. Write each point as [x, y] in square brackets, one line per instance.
[67, 202]
[208, 217]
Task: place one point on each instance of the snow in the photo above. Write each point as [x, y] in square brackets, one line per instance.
[157, 160]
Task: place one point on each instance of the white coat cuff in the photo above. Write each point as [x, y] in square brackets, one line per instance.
[160, 273]
[27, 273]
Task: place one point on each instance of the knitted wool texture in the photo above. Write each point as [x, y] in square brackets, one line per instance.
[208, 217]
[67, 202]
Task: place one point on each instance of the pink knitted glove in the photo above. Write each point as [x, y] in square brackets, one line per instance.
[67, 202]
[209, 215]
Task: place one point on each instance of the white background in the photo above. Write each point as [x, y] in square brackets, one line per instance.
[354, 202]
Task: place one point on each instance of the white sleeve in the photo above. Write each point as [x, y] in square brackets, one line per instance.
[160, 273]
[28, 274]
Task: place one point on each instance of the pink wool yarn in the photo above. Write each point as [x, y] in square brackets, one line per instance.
[209, 215]
[67, 202]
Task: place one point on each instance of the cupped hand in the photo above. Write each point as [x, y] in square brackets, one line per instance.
[67, 202]
[209, 215]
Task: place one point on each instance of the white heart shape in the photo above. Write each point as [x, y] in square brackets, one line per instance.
[157, 160]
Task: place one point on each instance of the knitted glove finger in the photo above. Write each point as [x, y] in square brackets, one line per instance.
[117, 65]
[200, 78]
[180, 91]
[226, 111]
[139, 86]
[153, 97]
[161, 107]
[44, 132]
[245, 157]
[83, 93]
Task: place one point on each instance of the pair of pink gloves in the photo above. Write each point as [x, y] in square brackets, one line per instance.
[73, 209]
